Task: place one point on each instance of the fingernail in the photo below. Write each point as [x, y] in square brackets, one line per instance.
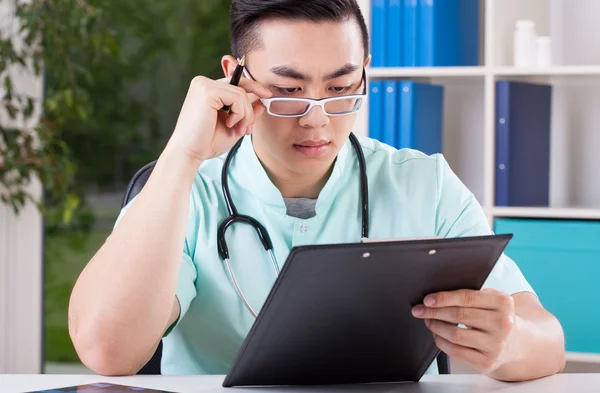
[428, 323]
[418, 310]
[429, 301]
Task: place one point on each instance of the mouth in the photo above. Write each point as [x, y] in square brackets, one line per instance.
[312, 148]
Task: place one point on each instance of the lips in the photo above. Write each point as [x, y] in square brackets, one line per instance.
[312, 148]
[312, 143]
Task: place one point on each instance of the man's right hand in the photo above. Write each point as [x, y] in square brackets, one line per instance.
[203, 130]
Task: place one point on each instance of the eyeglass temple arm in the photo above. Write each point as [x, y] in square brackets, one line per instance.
[365, 80]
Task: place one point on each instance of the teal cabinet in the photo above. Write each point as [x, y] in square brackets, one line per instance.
[561, 261]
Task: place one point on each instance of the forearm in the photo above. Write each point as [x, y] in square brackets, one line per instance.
[124, 299]
[535, 348]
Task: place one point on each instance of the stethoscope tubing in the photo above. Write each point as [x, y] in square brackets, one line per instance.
[263, 234]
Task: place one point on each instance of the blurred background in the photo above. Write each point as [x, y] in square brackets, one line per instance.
[134, 81]
[116, 73]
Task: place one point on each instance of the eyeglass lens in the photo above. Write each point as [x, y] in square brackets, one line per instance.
[334, 107]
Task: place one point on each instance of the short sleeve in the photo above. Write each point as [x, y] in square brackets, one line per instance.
[186, 281]
[186, 288]
[459, 214]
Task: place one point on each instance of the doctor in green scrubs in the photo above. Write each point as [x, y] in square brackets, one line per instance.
[159, 274]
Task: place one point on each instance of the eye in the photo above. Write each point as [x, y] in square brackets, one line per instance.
[341, 89]
[287, 90]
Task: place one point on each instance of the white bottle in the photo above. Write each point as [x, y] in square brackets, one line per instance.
[525, 43]
[544, 52]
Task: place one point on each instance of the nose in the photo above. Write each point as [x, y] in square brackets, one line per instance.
[315, 118]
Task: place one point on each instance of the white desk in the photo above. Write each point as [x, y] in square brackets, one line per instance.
[563, 383]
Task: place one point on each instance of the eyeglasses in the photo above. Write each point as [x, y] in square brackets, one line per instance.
[298, 107]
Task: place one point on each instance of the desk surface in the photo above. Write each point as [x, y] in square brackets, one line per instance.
[562, 383]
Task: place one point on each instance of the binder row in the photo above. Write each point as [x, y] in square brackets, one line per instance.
[407, 114]
[425, 33]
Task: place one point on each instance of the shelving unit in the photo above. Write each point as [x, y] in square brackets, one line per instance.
[571, 71]
[481, 71]
[426, 72]
[552, 213]
[470, 118]
[470, 121]
[582, 357]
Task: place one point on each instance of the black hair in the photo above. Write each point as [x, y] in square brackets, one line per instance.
[246, 16]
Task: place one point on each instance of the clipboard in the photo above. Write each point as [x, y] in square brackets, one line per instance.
[341, 313]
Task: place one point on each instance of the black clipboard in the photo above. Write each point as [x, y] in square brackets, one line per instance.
[341, 314]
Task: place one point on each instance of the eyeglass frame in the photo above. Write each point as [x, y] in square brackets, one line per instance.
[311, 101]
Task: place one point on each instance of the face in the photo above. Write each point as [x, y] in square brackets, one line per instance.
[305, 60]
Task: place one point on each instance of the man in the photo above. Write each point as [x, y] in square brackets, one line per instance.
[159, 275]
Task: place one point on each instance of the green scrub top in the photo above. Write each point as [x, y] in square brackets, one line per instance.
[410, 194]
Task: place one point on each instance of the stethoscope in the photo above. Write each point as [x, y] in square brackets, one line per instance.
[235, 217]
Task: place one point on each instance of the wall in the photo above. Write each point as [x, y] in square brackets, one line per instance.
[21, 248]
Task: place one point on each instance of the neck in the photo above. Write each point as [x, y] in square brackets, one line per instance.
[292, 184]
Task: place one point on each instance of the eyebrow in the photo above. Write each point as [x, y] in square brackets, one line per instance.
[290, 72]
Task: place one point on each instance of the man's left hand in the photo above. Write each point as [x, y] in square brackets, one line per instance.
[489, 317]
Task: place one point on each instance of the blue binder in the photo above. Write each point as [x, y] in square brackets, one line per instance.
[378, 31]
[448, 33]
[421, 117]
[410, 38]
[390, 113]
[394, 41]
[375, 109]
[523, 116]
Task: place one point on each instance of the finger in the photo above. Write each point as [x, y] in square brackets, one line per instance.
[231, 98]
[246, 100]
[248, 119]
[486, 299]
[258, 109]
[470, 356]
[486, 320]
[249, 87]
[254, 87]
[470, 338]
[237, 112]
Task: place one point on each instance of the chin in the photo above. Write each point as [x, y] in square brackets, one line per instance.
[311, 161]
[308, 166]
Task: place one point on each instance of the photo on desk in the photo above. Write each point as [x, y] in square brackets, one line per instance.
[100, 388]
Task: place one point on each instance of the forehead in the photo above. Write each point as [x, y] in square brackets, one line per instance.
[316, 48]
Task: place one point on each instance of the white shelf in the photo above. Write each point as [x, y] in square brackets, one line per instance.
[540, 212]
[481, 71]
[576, 357]
[549, 71]
[426, 72]
[470, 105]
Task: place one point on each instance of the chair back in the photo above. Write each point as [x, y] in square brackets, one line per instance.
[153, 367]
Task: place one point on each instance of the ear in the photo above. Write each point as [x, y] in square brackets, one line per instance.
[228, 63]
[368, 61]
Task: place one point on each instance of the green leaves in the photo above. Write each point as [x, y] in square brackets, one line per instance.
[115, 74]
[60, 37]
